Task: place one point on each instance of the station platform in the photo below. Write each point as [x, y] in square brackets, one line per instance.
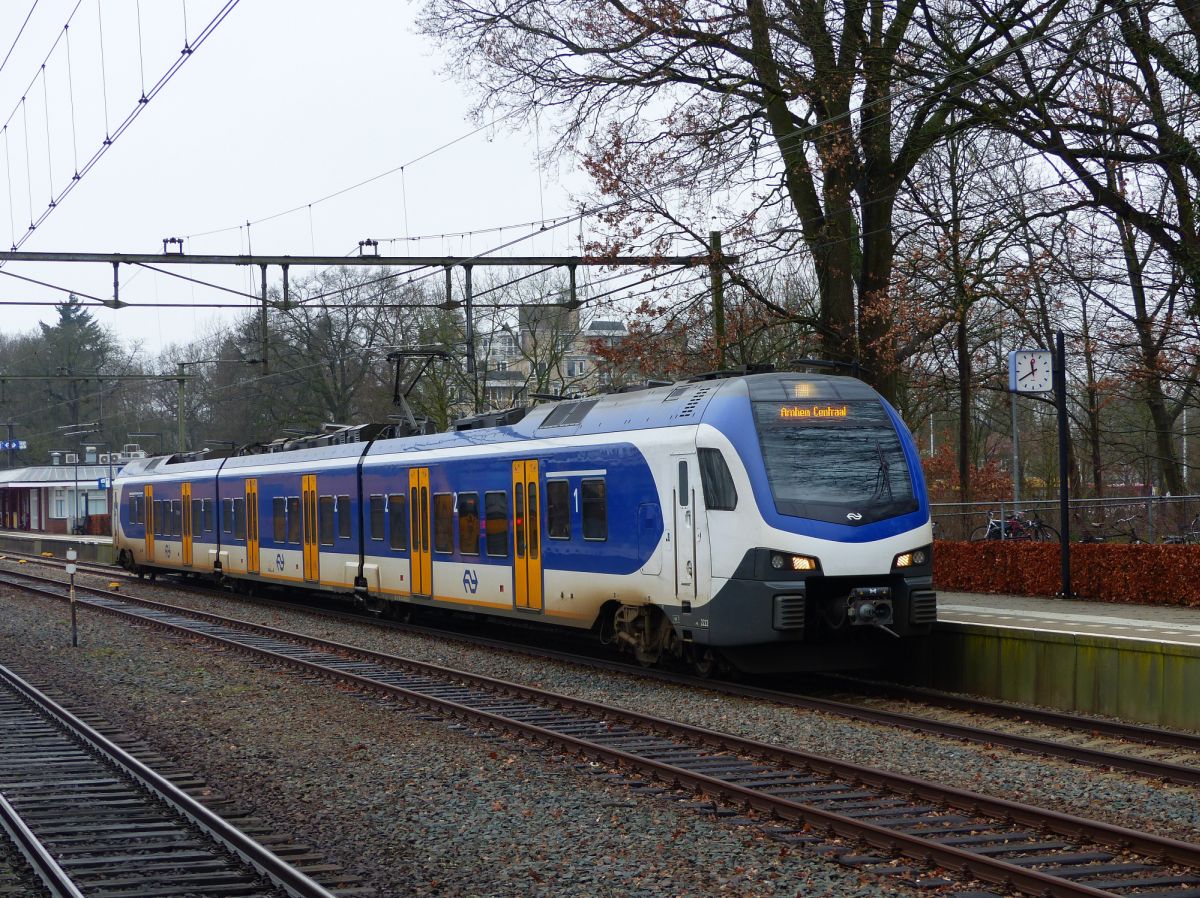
[1135, 662]
[90, 548]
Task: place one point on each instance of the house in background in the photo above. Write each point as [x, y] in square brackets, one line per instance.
[547, 351]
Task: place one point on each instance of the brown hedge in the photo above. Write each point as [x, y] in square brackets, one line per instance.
[1148, 575]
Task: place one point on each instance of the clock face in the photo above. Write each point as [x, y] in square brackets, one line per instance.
[1030, 371]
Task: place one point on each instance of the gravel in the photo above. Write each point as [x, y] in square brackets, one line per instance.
[412, 804]
[1119, 798]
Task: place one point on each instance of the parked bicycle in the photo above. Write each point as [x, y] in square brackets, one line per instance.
[1019, 525]
[1122, 530]
[1189, 536]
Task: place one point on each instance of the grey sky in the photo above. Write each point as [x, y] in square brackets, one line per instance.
[285, 103]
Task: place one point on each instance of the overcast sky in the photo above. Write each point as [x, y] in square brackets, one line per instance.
[287, 102]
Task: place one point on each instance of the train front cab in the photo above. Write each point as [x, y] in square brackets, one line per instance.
[827, 558]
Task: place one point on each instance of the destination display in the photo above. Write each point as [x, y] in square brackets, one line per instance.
[800, 412]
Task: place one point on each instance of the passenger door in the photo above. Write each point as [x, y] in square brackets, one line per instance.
[527, 536]
[252, 553]
[308, 531]
[148, 498]
[685, 527]
[186, 523]
[420, 552]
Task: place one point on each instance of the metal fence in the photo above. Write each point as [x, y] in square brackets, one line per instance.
[1128, 519]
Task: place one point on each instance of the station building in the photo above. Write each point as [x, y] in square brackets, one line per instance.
[71, 495]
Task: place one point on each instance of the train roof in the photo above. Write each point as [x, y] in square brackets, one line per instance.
[671, 405]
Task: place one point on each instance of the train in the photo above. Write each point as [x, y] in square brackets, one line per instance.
[770, 522]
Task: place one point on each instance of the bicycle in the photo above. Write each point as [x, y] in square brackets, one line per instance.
[1019, 525]
[1123, 530]
[1187, 537]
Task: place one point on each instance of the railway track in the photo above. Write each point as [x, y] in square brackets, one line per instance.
[1119, 740]
[1020, 847]
[91, 820]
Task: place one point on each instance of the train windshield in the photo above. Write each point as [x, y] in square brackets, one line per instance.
[839, 461]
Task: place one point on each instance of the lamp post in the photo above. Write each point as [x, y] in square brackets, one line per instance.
[77, 430]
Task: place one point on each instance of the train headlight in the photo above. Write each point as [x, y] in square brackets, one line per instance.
[782, 562]
[915, 558]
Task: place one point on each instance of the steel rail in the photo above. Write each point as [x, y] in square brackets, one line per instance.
[1158, 769]
[981, 866]
[277, 871]
[1135, 732]
[43, 863]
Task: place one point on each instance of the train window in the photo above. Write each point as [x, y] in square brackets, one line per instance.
[595, 509]
[869, 481]
[293, 518]
[158, 516]
[683, 484]
[719, 491]
[325, 520]
[558, 509]
[535, 520]
[443, 522]
[495, 506]
[176, 517]
[133, 509]
[343, 516]
[207, 515]
[397, 521]
[227, 515]
[197, 517]
[468, 523]
[279, 519]
[519, 517]
[239, 518]
[377, 517]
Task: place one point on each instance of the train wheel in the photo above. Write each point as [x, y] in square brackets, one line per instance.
[705, 663]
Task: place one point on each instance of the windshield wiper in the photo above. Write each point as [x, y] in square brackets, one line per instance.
[883, 482]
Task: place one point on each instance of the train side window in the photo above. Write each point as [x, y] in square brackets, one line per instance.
[719, 491]
[156, 505]
[495, 506]
[293, 507]
[468, 523]
[558, 509]
[227, 515]
[343, 516]
[197, 517]
[683, 485]
[133, 509]
[206, 515]
[176, 517]
[239, 518]
[398, 521]
[325, 520]
[535, 520]
[595, 509]
[443, 522]
[278, 519]
[377, 527]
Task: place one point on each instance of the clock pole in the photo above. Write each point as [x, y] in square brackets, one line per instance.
[1064, 489]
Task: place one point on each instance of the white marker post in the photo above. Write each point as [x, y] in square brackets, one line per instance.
[71, 556]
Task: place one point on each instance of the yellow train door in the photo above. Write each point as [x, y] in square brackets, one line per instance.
[252, 555]
[186, 523]
[149, 516]
[308, 500]
[527, 533]
[420, 553]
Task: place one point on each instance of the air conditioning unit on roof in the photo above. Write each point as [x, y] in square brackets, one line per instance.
[72, 458]
[104, 458]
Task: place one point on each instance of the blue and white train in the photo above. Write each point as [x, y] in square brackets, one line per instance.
[775, 522]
